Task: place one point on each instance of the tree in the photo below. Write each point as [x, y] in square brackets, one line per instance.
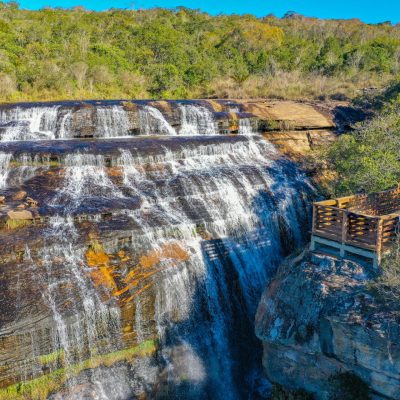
[79, 71]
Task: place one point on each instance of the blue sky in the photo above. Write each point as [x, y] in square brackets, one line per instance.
[371, 11]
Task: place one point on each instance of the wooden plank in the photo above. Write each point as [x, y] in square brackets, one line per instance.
[345, 221]
[326, 203]
[314, 217]
[336, 238]
[332, 227]
[361, 245]
[371, 224]
[379, 241]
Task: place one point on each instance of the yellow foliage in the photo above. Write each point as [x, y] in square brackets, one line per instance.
[17, 223]
[259, 34]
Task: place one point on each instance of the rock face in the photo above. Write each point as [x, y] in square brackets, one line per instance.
[293, 126]
[316, 319]
[135, 268]
[131, 267]
[290, 114]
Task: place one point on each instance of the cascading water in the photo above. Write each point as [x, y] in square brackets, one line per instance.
[65, 121]
[85, 178]
[29, 123]
[4, 170]
[152, 121]
[112, 122]
[245, 127]
[156, 294]
[196, 121]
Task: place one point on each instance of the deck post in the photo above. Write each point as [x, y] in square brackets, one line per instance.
[314, 217]
[361, 226]
[379, 238]
[344, 232]
[314, 224]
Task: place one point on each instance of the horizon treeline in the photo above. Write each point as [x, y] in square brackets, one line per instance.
[55, 54]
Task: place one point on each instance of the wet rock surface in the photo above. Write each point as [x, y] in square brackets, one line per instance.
[317, 319]
[132, 266]
[100, 119]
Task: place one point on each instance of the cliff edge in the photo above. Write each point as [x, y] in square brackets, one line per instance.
[320, 325]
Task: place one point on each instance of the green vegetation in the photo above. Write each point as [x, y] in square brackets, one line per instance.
[17, 223]
[386, 286]
[346, 385]
[68, 54]
[367, 159]
[280, 393]
[52, 358]
[40, 388]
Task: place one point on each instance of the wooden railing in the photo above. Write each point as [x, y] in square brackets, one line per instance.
[353, 220]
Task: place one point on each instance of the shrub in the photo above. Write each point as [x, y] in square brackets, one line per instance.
[387, 284]
[347, 385]
[367, 160]
[280, 393]
[69, 53]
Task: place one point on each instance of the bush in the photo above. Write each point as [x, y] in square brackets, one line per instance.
[348, 386]
[68, 53]
[387, 284]
[367, 160]
[279, 393]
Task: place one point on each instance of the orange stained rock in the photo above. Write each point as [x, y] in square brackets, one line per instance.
[114, 171]
[134, 278]
[102, 273]
[153, 167]
[215, 105]
[121, 254]
[168, 251]
[149, 266]
[144, 288]
[96, 258]
[104, 276]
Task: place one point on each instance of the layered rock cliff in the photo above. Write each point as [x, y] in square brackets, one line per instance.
[318, 323]
[136, 239]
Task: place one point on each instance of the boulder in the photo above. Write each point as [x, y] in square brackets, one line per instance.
[20, 215]
[318, 320]
[31, 202]
[19, 195]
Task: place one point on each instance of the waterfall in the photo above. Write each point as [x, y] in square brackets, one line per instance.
[196, 120]
[112, 122]
[85, 326]
[224, 193]
[245, 127]
[4, 170]
[85, 179]
[155, 294]
[40, 123]
[152, 122]
[65, 120]
[65, 125]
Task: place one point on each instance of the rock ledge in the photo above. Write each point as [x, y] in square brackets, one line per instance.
[317, 319]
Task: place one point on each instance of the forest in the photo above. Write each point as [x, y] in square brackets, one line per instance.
[55, 54]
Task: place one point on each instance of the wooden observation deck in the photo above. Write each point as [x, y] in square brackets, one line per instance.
[360, 227]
